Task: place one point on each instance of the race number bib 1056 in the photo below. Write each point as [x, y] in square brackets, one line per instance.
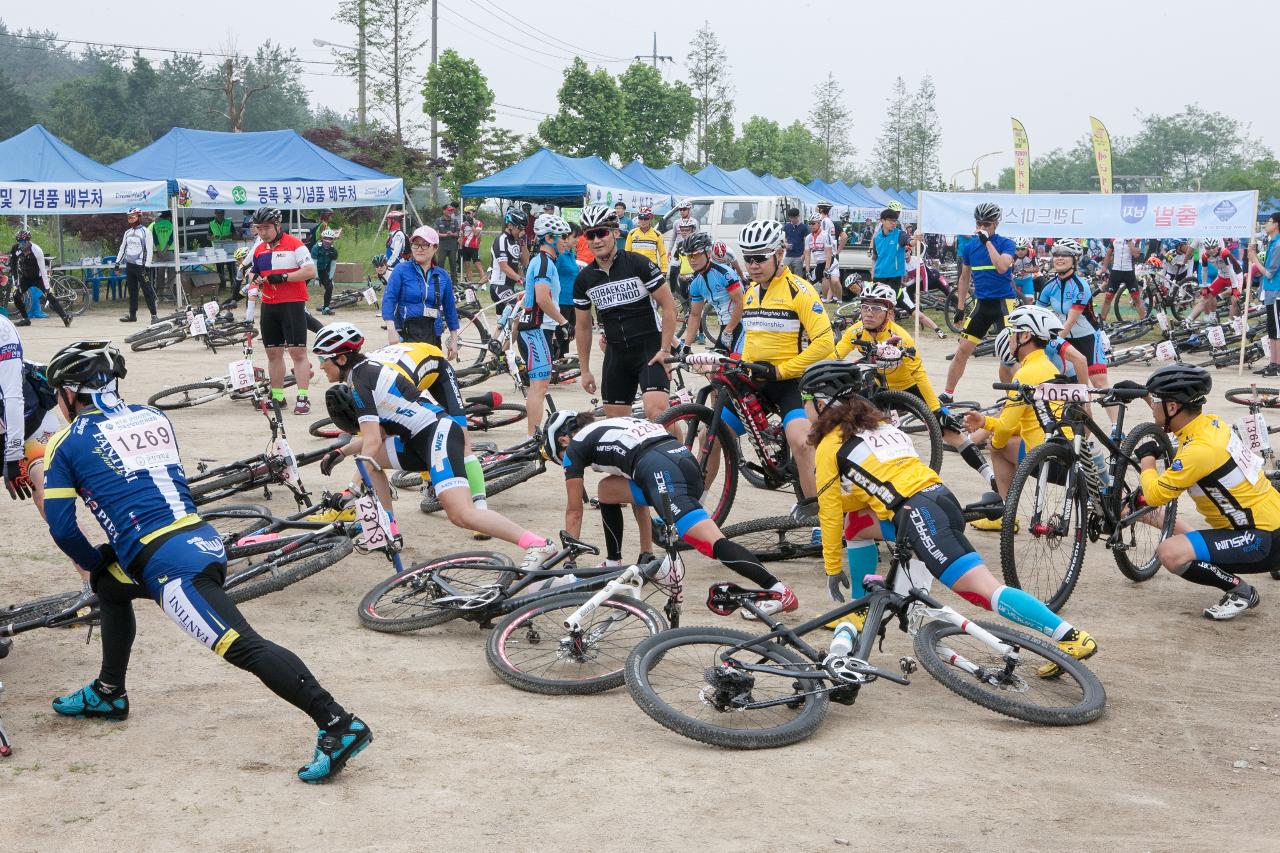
[1062, 393]
[142, 440]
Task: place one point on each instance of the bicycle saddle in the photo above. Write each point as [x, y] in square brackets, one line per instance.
[488, 400]
[576, 545]
[725, 597]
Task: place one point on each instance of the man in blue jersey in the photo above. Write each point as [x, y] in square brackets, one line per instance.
[715, 285]
[986, 261]
[123, 461]
[541, 316]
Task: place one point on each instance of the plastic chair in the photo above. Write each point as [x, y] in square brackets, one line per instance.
[105, 274]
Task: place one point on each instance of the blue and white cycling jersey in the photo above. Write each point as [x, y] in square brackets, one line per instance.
[714, 284]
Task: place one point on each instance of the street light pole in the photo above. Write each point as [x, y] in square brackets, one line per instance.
[360, 66]
[979, 160]
[435, 141]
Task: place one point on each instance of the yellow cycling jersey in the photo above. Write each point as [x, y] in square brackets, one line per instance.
[876, 469]
[420, 363]
[910, 371]
[1019, 418]
[1224, 478]
[648, 243]
[775, 317]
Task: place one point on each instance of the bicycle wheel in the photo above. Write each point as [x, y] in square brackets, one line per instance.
[473, 337]
[496, 480]
[1131, 354]
[910, 409]
[39, 608]
[678, 679]
[1042, 540]
[471, 376]
[248, 578]
[1124, 333]
[160, 326]
[186, 396]
[775, 539]
[407, 601]
[503, 414]
[1139, 539]
[72, 293]
[716, 454]
[1072, 698]
[948, 316]
[235, 521]
[532, 650]
[324, 428]
[1268, 397]
[159, 341]
[211, 487]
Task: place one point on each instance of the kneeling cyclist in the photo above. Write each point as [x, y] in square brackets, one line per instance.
[869, 469]
[1229, 487]
[123, 461]
[646, 464]
[388, 404]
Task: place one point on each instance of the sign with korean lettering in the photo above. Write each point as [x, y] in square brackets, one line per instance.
[1128, 215]
[21, 197]
[288, 195]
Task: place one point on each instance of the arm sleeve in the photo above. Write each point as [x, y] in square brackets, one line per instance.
[816, 324]
[44, 268]
[1006, 426]
[662, 251]
[120, 252]
[654, 277]
[14, 407]
[449, 302]
[574, 463]
[149, 252]
[830, 509]
[391, 298]
[1192, 462]
[60, 509]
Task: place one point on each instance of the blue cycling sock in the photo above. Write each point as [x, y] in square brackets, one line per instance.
[1027, 610]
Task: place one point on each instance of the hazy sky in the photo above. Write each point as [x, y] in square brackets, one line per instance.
[1051, 65]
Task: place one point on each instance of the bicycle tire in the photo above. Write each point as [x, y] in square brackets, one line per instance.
[72, 293]
[948, 316]
[469, 377]
[1132, 354]
[503, 414]
[235, 521]
[470, 569]
[1087, 708]
[775, 539]
[168, 339]
[324, 428]
[1269, 398]
[692, 412]
[186, 396]
[216, 487]
[897, 402]
[660, 648]
[517, 632]
[1125, 333]
[1149, 568]
[160, 326]
[38, 608]
[1056, 592]
[505, 478]
[287, 569]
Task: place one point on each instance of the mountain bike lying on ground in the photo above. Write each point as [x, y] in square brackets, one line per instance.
[239, 382]
[483, 412]
[732, 689]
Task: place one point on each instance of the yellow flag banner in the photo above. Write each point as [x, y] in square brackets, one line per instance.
[1102, 153]
[1021, 159]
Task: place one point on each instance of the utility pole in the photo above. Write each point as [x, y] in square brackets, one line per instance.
[435, 141]
[654, 57]
[360, 59]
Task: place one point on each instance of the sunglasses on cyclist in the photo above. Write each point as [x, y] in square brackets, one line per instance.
[755, 259]
[597, 233]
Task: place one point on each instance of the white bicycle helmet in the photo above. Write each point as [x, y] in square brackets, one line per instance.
[1065, 246]
[687, 223]
[1040, 322]
[337, 338]
[1002, 349]
[683, 203]
[597, 216]
[563, 422]
[878, 292]
[1211, 244]
[1022, 242]
[328, 234]
[761, 236]
[549, 223]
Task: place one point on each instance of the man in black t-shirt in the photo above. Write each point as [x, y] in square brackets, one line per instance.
[627, 291]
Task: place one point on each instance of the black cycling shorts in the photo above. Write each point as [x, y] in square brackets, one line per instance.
[499, 292]
[1272, 310]
[1245, 551]
[447, 395]
[627, 370]
[1127, 278]
[283, 324]
[988, 313]
[932, 522]
[785, 395]
[437, 451]
[470, 253]
[669, 469]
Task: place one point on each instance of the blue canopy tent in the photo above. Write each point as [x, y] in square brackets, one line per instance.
[723, 181]
[880, 195]
[751, 182]
[548, 176]
[908, 199]
[689, 184]
[671, 179]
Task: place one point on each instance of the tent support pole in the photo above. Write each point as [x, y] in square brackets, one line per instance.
[1248, 289]
[408, 200]
[179, 297]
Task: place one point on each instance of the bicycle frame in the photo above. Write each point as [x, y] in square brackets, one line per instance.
[720, 384]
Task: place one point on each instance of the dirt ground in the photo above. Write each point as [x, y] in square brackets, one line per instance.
[461, 761]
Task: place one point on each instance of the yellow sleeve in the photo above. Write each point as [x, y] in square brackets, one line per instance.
[844, 346]
[662, 253]
[822, 344]
[830, 503]
[1007, 425]
[627, 245]
[1193, 462]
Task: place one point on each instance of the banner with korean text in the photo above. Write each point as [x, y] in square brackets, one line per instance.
[23, 197]
[1129, 215]
[1021, 159]
[1101, 153]
[633, 199]
[288, 195]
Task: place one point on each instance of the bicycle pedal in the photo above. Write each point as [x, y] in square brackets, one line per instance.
[907, 665]
[845, 694]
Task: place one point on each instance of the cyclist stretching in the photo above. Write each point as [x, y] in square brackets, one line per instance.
[1229, 487]
[987, 262]
[123, 461]
[388, 404]
[777, 314]
[715, 284]
[869, 473]
[908, 374]
[645, 464]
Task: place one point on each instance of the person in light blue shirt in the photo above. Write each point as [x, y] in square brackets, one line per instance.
[541, 315]
[1270, 290]
[716, 285]
[888, 248]
[567, 267]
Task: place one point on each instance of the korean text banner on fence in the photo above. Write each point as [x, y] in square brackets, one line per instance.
[21, 197]
[291, 195]
[633, 199]
[1224, 214]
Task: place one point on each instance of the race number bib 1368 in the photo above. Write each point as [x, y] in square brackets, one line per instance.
[1249, 463]
[142, 440]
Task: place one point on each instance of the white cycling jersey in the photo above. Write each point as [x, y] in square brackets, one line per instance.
[11, 388]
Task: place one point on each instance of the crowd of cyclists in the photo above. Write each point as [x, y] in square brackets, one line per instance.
[617, 288]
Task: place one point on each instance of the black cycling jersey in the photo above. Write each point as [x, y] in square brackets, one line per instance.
[383, 395]
[621, 296]
[612, 446]
[505, 248]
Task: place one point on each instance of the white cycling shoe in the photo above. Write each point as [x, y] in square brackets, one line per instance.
[1233, 604]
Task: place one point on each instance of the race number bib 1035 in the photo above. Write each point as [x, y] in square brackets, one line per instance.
[142, 440]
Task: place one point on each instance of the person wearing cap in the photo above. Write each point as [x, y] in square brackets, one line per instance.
[796, 232]
[396, 248]
[449, 229]
[472, 231]
[625, 222]
[325, 254]
[135, 253]
[419, 300]
[645, 240]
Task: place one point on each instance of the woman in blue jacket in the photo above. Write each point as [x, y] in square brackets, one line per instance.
[419, 301]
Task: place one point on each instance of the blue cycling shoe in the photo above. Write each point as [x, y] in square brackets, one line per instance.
[333, 751]
[88, 702]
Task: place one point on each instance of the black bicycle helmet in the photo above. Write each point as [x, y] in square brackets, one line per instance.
[264, 215]
[342, 408]
[86, 366]
[1181, 383]
[698, 242]
[987, 212]
[837, 379]
[516, 217]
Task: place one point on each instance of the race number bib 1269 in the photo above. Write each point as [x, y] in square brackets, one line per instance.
[142, 440]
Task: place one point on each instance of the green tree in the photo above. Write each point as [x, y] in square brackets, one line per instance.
[800, 155]
[831, 126]
[457, 95]
[761, 145]
[1262, 175]
[93, 115]
[500, 148]
[924, 139]
[281, 100]
[391, 48]
[889, 161]
[1186, 146]
[589, 120]
[708, 67]
[16, 112]
[1062, 169]
[655, 115]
